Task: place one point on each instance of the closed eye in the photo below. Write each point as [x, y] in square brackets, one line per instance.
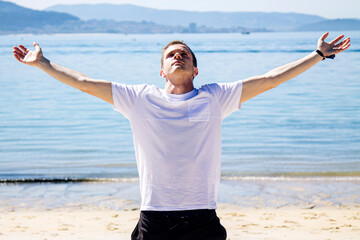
[183, 54]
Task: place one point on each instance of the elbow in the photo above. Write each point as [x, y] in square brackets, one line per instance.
[271, 81]
[85, 85]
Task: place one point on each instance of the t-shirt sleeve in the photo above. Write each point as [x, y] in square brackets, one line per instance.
[125, 97]
[228, 96]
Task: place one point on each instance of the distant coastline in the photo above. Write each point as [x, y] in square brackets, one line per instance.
[109, 26]
[131, 19]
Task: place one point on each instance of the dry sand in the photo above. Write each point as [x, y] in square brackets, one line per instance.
[336, 222]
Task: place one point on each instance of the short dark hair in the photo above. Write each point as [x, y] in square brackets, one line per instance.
[174, 42]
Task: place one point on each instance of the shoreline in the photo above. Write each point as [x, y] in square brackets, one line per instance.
[241, 223]
[249, 209]
[258, 192]
[302, 176]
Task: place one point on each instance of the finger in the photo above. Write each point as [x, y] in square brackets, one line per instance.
[339, 46]
[347, 40]
[345, 47]
[336, 39]
[18, 51]
[324, 36]
[37, 47]
[342, 48]
[23, 48]
[18, 58]
[343, 43]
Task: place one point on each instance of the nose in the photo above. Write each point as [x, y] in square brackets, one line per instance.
[177, 56]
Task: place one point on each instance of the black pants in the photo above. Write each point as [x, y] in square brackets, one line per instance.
[179, 225]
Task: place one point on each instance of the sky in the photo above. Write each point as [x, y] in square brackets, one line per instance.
[326, 8]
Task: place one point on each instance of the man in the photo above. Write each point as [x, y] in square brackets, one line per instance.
[177, 133]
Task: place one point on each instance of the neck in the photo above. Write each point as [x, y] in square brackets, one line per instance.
[178, 88]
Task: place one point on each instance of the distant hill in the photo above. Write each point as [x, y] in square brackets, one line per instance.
[332, 25]
[130, 19]
[127, 12]
[14, 17]
[17, 19]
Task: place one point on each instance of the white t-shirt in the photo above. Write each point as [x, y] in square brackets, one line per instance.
[177, 140]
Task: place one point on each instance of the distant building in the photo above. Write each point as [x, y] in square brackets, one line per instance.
[192, 28]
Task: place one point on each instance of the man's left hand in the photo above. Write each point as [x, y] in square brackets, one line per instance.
[333, 47]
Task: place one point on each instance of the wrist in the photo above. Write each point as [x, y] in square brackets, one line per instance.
[320, 53]
[43, 62]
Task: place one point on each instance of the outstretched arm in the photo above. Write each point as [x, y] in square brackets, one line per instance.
[255, 85]
[97, 88]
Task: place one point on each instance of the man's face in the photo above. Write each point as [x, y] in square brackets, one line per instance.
[178, 60]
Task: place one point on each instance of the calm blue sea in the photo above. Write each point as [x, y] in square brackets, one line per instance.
[307, 126]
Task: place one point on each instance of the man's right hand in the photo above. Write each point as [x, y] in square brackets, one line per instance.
[24, 55]
[96, 87]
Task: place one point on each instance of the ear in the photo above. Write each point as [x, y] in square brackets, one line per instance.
[195, 72]
[162, 74]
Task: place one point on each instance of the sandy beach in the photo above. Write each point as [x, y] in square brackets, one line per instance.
[341, 222]
[298, 208]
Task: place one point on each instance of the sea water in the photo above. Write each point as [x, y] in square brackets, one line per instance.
[297, 144]
[50, 132]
